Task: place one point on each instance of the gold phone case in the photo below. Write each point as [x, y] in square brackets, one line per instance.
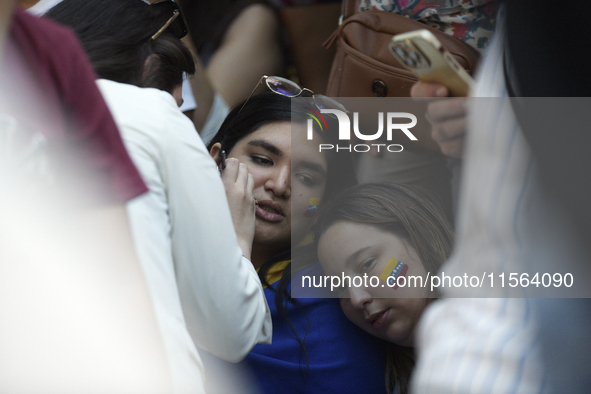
[421, 53]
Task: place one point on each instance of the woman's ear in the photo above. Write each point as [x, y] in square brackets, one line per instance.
[215, 152]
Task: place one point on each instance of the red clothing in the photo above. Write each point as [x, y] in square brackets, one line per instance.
[80, 120]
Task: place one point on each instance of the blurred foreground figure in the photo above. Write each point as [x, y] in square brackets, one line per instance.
[524, 208]
[76, 313]
[550, 64]
[489, 345]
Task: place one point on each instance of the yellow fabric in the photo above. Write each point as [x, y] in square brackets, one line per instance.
[308, 239]
[276, 271]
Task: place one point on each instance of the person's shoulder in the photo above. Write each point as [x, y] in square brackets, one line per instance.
[147, 111]
[53, 49]
[133, 105]
[136, 96]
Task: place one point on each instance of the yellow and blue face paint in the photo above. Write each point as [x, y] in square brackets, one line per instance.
[312, 207]
[392, 271]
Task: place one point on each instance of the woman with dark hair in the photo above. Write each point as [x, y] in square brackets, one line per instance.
[314, 348]
[182, 243]
[124, 43]
[388, 232]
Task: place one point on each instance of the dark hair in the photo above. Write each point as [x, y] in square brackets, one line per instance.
[410, 213]
[248, 117]
[173, 61]
[116, 35]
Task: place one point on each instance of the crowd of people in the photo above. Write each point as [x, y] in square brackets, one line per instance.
[160, 208]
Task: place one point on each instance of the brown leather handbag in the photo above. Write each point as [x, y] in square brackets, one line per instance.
[363, 65]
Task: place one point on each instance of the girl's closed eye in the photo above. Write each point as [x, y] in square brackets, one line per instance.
[306, 179]
[367, 264]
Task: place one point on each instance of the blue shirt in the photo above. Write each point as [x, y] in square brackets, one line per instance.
[341, 358]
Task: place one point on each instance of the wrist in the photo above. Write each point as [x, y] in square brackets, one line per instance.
[246, 249]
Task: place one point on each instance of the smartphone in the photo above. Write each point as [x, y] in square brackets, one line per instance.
[421, 53]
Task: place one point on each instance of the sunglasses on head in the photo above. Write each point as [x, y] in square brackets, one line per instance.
[175, 24]
[288, 88]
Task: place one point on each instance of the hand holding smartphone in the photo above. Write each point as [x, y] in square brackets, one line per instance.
[422, 54]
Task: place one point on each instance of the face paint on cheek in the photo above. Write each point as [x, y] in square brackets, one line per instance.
[392, 271]
[312, 207]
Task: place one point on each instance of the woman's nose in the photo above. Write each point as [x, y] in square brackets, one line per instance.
[359, 297]
[280, 182]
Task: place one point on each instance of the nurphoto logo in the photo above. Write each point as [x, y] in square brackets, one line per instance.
[393, 124]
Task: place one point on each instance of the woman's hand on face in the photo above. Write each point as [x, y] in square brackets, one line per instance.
[239, 186]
